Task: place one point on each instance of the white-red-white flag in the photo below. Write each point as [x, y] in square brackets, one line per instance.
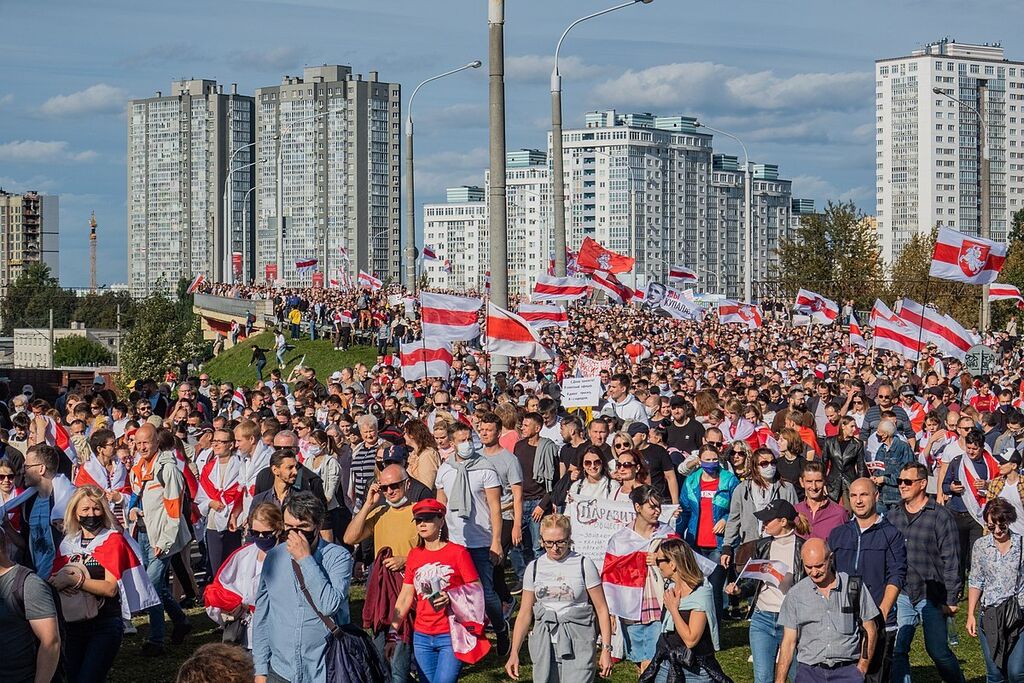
[682, 273]
[428, 253]
[119, 555]
[639, 295]
[367, 280]
[305, 266]
[510, 335]
[735, 312]
[554, 288]
[610, 285]
[450, 318]
[197, 282]
[899, 336]
[856, 338]
[625, 570]
[964, 258]
[769, 571]
[540, 316]
[426, 358]
[880, 310]
[1000, 292]
[947, 334]
[343, 317]
[820, 309]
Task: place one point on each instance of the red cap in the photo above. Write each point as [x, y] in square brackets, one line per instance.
[428, 506]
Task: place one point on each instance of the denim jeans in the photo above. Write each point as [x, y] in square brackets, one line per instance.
[717, 580]
[765, 638]
[1014, 672]
[691, 676]
[158, 569]
[91, 647]
[931, 617]
[436, 658]
[482, 561]
[529, 549]
[400, 660]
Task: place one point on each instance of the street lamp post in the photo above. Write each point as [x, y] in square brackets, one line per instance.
[227, 274]
[557, 179]
[497, 209]
[748, 265]
[410, 184]
[984, 184]
[245, 235]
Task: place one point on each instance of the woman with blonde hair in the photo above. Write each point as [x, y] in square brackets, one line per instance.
[509, 415]
[703, 403]
[442, 434]
[424, 459]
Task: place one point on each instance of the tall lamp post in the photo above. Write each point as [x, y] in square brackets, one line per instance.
[410, 184]
[748, 265]
[228, 274]
[984, 183]
[557, 180]
[245, 235]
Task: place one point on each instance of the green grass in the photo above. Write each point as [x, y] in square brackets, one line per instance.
[131, 666]
[232, 365]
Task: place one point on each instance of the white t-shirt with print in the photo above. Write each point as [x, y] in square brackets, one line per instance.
[560, 585]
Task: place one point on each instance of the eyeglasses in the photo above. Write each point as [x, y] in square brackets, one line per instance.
[591, 463]
[555, 544]
[907, 482]
[964, 428]
[420, 519]
[716, 444]
[625, 465]
[36, 464]
[441, 405]
[392, 487]
[1002, 526]
[880, 396]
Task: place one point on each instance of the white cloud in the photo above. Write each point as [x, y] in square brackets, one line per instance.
[821, 190]
[39, 151]
[6, 99]
[96, 99]
[537, 68]
[435, 172]
[460, 116]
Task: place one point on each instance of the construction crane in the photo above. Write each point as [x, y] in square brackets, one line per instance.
[92, 253]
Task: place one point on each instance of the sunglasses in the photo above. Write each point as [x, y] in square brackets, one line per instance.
[264, 534]
[662, 560]
[765, 463]
[1002, 526]
[392, 487]
[6, 477]
[717, 444]
[907, 482]
[591, 463]
[420, 519]
[625, 465]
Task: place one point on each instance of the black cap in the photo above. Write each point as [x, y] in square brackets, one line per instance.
[637, 428]
[777, 509]
[908, 390]
[677, 402]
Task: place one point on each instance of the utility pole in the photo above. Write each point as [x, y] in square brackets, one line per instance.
[496, 207]
[50, 364]
[92, 253]
[984, 191]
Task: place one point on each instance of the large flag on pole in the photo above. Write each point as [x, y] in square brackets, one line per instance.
[426, 358]
[451, 318]
[682, 273]
[611, 286]
[964, 258]
[1000, 292]
[880, 310]
[428, 253]
[856, 338]
[743, 314]
[196, 284]
[367, 280]
[510, 335]
[899, 336]
[554, 288]
[305, 266]
[592, 256]
[540, 316]
[947, 334]
[820, 309]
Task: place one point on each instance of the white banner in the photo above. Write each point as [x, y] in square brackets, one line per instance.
[591, 367]
[581, 392]
[594, 520]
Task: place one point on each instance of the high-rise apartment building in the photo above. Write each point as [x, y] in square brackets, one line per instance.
[457, 232]
[29, 233]
[179, 149]
[929, 147]
[339, 141]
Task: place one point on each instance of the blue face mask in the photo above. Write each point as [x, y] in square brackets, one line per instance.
[710, 468]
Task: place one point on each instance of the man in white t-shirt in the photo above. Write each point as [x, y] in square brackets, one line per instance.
[471, 490]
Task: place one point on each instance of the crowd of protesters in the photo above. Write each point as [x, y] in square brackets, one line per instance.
[829, 499]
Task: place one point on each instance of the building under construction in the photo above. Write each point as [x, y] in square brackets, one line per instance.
[29, 233]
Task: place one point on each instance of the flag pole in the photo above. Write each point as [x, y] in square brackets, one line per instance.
[924, 306]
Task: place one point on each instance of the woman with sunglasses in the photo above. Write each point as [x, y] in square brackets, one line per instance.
[230, 598]
[594, 480]
[12, 520]
[690, 622]
[437, 574]
[630, 473]
[856, 406]
[562, 598]
[996, 577]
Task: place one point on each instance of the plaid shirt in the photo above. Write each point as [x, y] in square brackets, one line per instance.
[933, 552]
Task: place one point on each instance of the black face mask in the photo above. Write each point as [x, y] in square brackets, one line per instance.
[311, 536]
[92, 523]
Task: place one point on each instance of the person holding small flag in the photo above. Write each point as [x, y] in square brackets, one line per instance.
[892, 454]
[965, 487]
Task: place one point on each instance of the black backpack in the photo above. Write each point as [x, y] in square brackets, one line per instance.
[21, 574]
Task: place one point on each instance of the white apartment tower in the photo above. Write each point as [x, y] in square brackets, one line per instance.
[929, 147]
[29, 233]
[457, 232]
[179, 147]
[339, 142]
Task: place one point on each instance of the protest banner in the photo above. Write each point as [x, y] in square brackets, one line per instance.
[591, 367]
[581, 392]
[594, 520]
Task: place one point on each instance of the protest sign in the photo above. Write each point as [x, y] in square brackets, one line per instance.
[581, 392]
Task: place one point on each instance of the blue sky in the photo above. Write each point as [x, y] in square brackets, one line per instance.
[792, 78]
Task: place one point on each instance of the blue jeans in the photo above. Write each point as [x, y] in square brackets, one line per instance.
[765, 638]
[158, 569]
[482, 561]
[717, 580]
[529, 550]
[931, 617]
[436, 658]
[1014, 672]
[399, 661]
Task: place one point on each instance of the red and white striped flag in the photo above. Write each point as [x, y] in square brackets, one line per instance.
[510, 335]
[639, 295]
[1000, 292]
[682, 273]
[196, 283]
[947, 334]
[540, 316]
[735, 312]
[610, 285]
[856, 338]
[428, 253]
[93, 473]
[963, 258]
[820, 309]
[769, 571]
[554, 288]
[625, 569]
[448, 317]
[426, 358]
[487, 281]
[333, 283]
[880, 310]
[237, 581]
[367, 280]
[305, 266]
[239, 397]
[119, 555]
[897, 335]
[343, 252]
[343, 317]
[974, 500]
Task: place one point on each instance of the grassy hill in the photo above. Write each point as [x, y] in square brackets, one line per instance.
[233, 365]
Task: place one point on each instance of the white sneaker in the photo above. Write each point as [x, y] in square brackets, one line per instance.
[129, 627]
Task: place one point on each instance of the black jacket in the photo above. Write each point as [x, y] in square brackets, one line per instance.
[751, 588]
[307, 480]
[844, 462]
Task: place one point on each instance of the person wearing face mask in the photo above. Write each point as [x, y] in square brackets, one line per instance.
[290, 639]
[322, 463]
[97, 560]
[704, 506]
[229, 599]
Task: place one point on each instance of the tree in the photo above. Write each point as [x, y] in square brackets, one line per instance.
[1012, 272]
[164, 333]
[76, 350]
[909, 278]
[31, 297]
[834, 253]
[101, 310]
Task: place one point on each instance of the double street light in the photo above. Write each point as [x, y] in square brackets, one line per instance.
[410, 184]
[557, 178]
[228, 272]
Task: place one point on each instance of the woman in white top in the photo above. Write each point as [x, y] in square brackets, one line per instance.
[562, 596]
[322, 463]
[596, 481]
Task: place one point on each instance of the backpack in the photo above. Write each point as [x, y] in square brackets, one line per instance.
[187, 506]
[21, 574]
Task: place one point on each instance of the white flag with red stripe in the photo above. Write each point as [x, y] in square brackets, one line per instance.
[196, 283]
[769, 571]
[897, 335]
[947, 334]
[820, 309]
[997, 291]
[625, 569]
[236, 583]
[744, 314]
[343, 317]
[856, 338]
[610, 285]
[426, 358]
[880, 310]
[367, 280]
[119, 555]
[93, 473]
[964, 258]
[305, 266]
[510, 335]
[448, 317]
[540, 316]
[973, 499]
[554, 288]
[428, 253]
[682, 273]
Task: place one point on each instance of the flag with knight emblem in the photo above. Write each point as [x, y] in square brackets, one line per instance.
[594, 257]
[964, 258]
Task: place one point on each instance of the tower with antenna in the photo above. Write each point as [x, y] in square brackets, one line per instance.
[92, 253]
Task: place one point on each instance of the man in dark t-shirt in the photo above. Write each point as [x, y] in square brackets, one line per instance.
[658, 461]
[30, 634]
[684, 432]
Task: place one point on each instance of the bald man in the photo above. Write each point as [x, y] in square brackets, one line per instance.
[870, 547]
[830, 646]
